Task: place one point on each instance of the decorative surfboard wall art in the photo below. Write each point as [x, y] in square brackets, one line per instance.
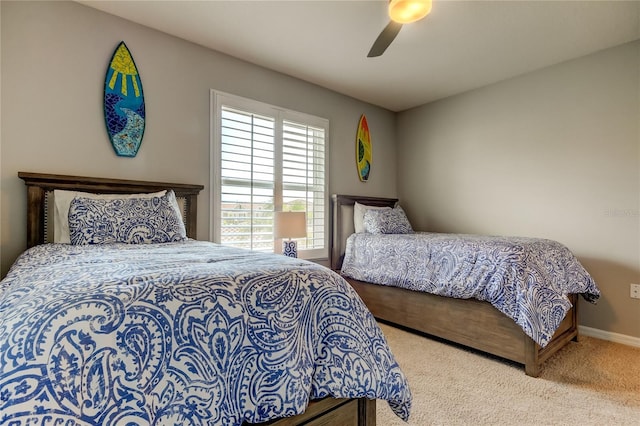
[363, 149]
[124, 111]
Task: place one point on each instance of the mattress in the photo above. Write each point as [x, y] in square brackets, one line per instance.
[188, 333]
[527, 279]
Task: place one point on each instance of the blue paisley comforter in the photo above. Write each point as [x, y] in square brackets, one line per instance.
[527, 279]
[187, 333]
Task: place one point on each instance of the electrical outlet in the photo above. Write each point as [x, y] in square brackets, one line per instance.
[635, 291]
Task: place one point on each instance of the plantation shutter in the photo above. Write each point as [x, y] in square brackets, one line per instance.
[266, 159]
[303, 179]
[247, 179]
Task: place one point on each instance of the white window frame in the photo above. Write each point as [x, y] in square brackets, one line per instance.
[219, 99]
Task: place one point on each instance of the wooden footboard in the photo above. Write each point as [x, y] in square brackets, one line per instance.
[468, 322]
[332, 412]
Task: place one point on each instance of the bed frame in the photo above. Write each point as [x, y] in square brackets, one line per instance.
[327, 411]
[468, 322]
[41, 186]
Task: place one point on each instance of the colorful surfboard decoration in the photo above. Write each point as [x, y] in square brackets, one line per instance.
[363, 150]
[124, 111]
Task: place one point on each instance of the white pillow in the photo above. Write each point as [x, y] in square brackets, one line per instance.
[62, 201]
[358, 215]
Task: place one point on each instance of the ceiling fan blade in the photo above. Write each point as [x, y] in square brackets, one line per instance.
[384, 39]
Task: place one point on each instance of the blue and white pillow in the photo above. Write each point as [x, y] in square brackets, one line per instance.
[126, 220]
[389, 221]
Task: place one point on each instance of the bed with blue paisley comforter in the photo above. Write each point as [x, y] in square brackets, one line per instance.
[527, 279]
[187, 333]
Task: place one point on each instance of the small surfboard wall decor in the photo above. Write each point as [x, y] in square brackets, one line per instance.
[363, 149]
[124, 111]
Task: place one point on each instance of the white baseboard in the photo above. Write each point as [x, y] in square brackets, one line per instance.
[607, 335]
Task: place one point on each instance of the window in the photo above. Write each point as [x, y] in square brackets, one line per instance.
[267, 159]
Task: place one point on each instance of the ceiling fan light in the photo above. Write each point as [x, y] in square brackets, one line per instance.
[407, 11]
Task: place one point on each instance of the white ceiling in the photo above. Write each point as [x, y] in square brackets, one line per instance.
[460, 46]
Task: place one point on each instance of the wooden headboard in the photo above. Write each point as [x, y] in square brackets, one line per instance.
[39, 185]
[342, 208]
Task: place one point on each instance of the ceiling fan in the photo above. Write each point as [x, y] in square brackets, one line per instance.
[401, 12]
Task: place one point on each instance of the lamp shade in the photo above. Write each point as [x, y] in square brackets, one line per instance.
[407, 11]
[291, 225]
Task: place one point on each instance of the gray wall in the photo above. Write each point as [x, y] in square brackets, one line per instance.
[54, 59]
[554, 154]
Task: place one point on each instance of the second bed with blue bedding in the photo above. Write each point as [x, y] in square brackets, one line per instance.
[527, 279]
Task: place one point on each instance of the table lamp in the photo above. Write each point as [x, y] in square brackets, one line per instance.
[290, 225]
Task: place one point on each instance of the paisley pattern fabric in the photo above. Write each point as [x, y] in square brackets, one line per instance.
[358, 215]
[125, 220]
[387, 221]
[527, 279]
[188, 333]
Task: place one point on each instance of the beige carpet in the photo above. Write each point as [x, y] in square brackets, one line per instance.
[590, 382]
